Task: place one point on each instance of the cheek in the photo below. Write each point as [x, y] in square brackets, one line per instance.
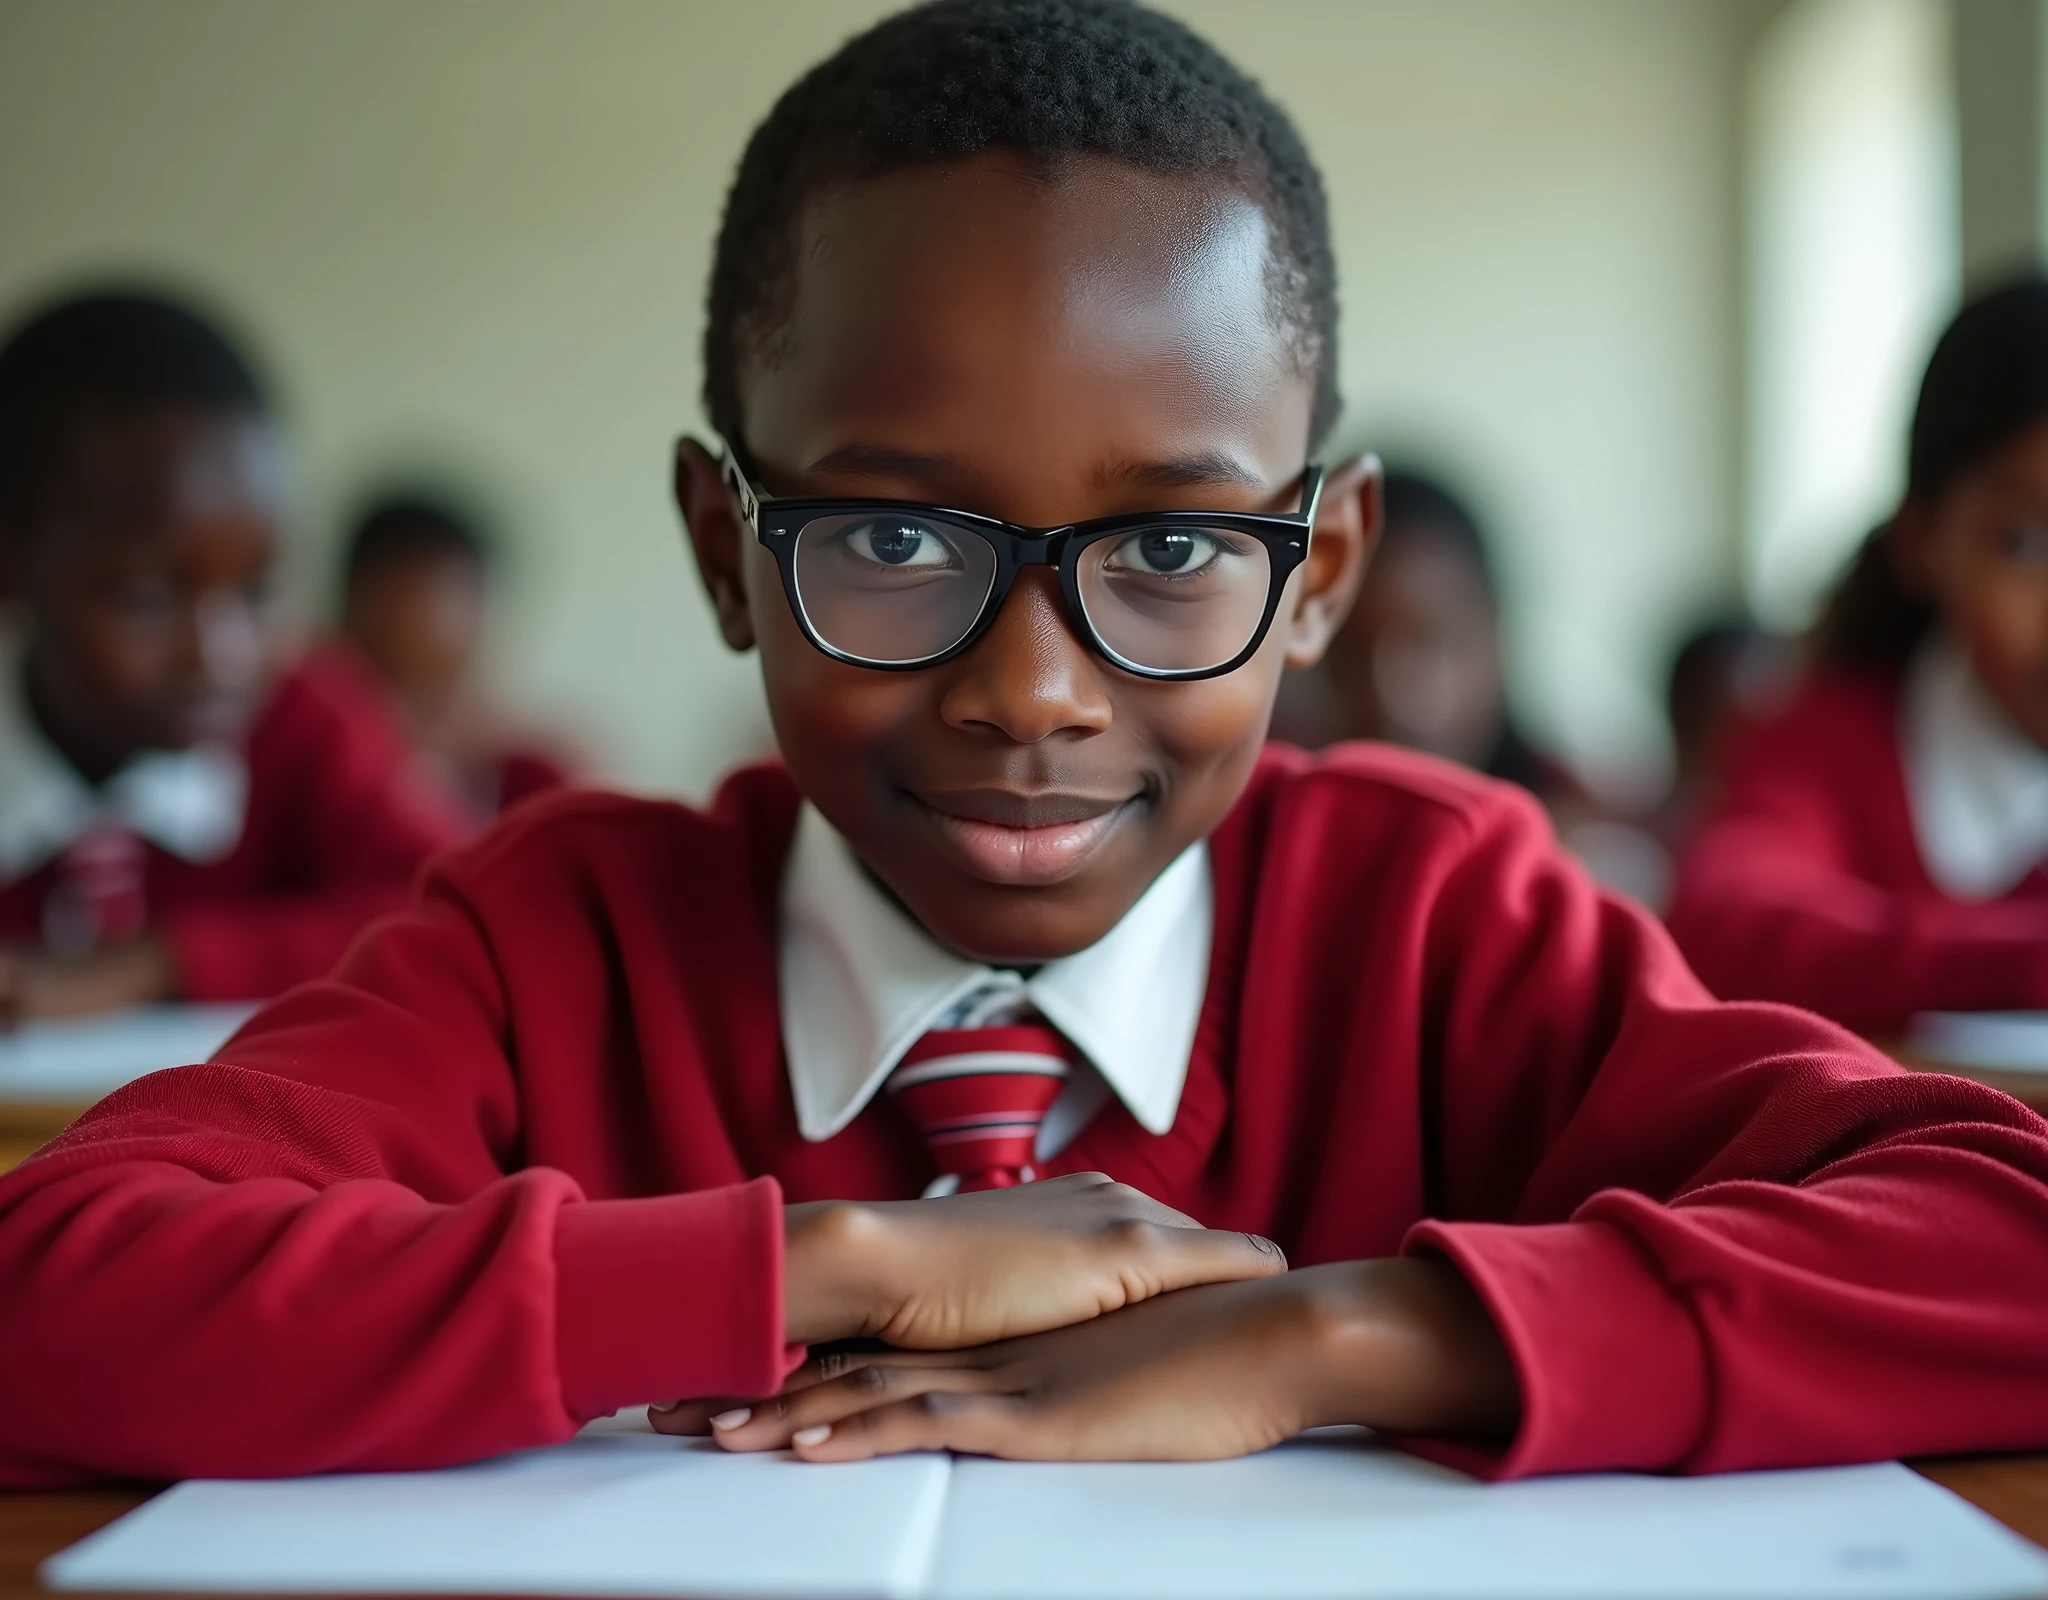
[2006, 624]
[1207, 734]
[124, 660]
[834, 723]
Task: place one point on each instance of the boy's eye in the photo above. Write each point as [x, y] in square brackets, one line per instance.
[1166, 552]
[2025, 544]
[899, 542]
[146, 598]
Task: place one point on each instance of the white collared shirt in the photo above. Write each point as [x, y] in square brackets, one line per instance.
[189, 802]
[861, 982]
[1978, 785]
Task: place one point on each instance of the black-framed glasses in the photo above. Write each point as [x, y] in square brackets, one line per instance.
[898, 585]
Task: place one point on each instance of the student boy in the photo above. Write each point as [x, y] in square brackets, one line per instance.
[637, 1098]
[415, 594]
[172, 824]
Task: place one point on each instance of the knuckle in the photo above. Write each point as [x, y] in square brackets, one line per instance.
[870, 1379]
[834, 1364]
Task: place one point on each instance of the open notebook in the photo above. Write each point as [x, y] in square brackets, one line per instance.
[623, 1513]
[79, 1059]
[2007, 1041]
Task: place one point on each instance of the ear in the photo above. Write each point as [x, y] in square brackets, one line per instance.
[1347, 531]
[718, 537]
[1909, 546]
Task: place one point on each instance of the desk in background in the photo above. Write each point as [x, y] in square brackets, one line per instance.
[51, 1071]
[2008, 1050]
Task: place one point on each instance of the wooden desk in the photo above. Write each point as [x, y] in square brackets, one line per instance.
[2029, 1088]
[2014, 1489]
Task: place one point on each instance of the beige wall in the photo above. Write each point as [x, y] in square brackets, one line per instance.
[476, 231]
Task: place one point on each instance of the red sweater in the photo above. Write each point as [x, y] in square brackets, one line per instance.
[520, 1161]
[337, 825]
[1806, 883]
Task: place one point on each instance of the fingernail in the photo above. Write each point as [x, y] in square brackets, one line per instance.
[664, 1410]
[732, 1418]
[815, 1435]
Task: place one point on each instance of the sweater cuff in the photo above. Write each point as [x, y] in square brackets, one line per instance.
[1612, 1367]
[676, 1297]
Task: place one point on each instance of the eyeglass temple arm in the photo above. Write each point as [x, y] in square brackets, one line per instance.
[736, 480]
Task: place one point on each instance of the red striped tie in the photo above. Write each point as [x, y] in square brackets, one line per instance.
[978, 1095]
[98, 897]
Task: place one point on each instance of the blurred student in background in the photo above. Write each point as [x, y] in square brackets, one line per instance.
[416, 589]
[176, 821]
[1723, 676]
[1878, 847]
[1419, 663]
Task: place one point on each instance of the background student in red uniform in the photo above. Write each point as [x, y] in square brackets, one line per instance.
[174, 822]
[1877, 850]
[640, 1097]
[415, 601]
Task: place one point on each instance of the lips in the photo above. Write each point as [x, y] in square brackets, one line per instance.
[1022, 840]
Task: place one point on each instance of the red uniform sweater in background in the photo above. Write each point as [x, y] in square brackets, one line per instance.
[1806, 884]
[521, 1161]
[338, 823]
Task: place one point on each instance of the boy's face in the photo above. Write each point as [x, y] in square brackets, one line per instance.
[420, 618]
[1418, 663]
[145, 578]
[1982, 551]
[1044, 351]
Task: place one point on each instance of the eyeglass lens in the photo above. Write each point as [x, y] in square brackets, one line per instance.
[896, 588]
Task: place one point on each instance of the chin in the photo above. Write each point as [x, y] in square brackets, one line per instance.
[1017, 928]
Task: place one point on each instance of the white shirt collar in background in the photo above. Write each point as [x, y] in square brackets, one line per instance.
[861, 982]
[189, 802]
[1978, 785]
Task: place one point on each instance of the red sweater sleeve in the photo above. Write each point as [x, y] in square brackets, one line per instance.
[311, 1255]
[341, 818]
[1715, 1236]
[1805, 886]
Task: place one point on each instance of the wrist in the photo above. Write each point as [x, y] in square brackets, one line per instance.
[1403, 1345]
[834, 1283]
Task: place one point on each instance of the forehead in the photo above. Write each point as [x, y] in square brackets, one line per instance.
[1098, 308]
[138, 471]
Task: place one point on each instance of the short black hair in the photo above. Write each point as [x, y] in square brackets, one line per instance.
[409, 525]
[1049, 80]
[1418, 505]
[107, 352]
[1986, 383]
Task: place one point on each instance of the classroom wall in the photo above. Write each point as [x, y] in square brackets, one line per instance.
[474, 232]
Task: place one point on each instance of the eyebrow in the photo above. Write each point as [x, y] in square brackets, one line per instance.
[1183, 472]
[1202, 468]
[881, 461]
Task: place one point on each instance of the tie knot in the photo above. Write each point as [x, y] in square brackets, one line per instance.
[978, 1096]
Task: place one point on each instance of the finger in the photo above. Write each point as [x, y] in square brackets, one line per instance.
[1160, 1260]
[691, 1418]
[774, 1424]
[974, 1424]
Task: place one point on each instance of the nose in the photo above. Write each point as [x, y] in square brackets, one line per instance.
[225, 643]
[1029, 678]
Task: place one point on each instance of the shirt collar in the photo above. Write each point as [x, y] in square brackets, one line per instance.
[189, 802]
[1978, 785]
[861, 982]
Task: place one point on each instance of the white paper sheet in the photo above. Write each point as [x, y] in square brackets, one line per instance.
[629, 1514]
[605, 1514]
[76, 1061]
[2007, 1041]
[1338, 1515]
